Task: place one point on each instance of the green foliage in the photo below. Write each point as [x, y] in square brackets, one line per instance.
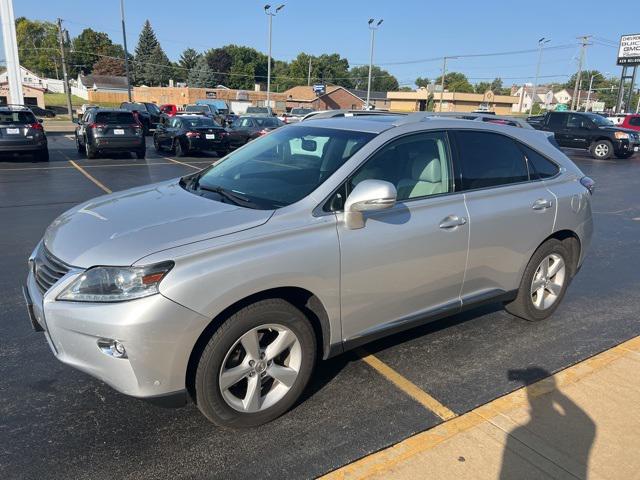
[201, 75]
[423, 82]
[158, 69]
[38, 47]
[456, 82]
[536, 109]
[219, 60]
[381, 80]
[88, 48]
[405, 89]
[147, 43]
[482, 87]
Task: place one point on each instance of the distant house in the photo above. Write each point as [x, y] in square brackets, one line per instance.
[333, 98]
[526, 97]
[565, 96]
[91, 87]
[29, 78]
[32, 95]
[378, 100]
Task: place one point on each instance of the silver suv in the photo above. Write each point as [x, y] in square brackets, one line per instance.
[228, 284]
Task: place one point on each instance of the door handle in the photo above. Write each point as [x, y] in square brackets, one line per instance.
[542, 204]
[452, 221]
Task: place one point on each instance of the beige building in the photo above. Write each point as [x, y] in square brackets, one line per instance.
[418, 100]
[32, 95]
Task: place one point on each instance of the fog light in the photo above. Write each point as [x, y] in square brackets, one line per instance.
[113, 348]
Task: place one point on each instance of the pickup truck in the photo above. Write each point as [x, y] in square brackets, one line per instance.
[588, 131]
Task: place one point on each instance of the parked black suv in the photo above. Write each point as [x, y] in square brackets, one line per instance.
[188, 133]
[589, 131]
[148, 113]
[109, 130]
[22, 132]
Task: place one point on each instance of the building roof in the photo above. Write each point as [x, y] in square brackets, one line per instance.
[362, 94]
[305, 93]
[24, 86]
[104, 81]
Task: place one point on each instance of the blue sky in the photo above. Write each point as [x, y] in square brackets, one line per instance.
[412, 30]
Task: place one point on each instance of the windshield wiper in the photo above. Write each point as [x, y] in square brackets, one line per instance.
[228, 194]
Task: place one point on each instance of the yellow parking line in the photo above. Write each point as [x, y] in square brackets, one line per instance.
[406, 386]
[381, 463]
[87, 174]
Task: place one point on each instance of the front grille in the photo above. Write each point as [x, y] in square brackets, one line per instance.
[48, 269]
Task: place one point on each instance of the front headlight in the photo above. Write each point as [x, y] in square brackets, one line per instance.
[116, 284]
[622, 135]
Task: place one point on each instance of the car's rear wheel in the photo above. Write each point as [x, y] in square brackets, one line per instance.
[43, 155]
[256, 365]
[544, 282]
[624, 155]
[156, 144]
[88, 151]
[140, 154]
[177, 148]
[602, 149]
[79, 146]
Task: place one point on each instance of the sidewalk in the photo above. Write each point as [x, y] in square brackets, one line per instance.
[583, 422]
[59, 126]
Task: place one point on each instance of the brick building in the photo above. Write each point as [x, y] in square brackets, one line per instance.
[333, 98]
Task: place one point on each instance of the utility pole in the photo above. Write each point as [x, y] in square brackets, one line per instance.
[444, 72]
[589, 92]
[373, 29]
[270, 14]
[309, 74]
[126, 53]
[585, 41]
[11, 52]
[541, 44]
[65, 76]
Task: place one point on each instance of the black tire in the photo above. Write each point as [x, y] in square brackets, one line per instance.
[43, 155]
[88, 151]
[140, 154]
[222, 153]
[522, 306]
[601, 149]
[156, 144]
[177, 148]
[79, 146]
[624, 155]
[207, 392]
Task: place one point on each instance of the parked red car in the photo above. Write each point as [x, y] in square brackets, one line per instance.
[631, 122]
[168, 109]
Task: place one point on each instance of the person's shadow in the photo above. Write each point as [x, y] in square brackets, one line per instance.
[557, 426]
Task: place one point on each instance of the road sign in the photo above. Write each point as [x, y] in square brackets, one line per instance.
[597, 107]
[562, 107]
[629, 50]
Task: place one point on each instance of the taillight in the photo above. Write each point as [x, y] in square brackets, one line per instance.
[96, 125]
[193, 134]
[588, 183]
[36, 126]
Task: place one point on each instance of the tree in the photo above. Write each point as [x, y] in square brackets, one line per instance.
[405, 89]
[381, 80]
[482, 87]
[38, 47]
[185, 63]
[109, 66]
[201, 75]
[220, 62]
[158, 68]
[496, 86]
[147, 43]
[89, 47]
[455, 82]
[598, 80]
[422, 82]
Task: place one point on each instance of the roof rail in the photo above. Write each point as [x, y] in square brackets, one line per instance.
[472, 116]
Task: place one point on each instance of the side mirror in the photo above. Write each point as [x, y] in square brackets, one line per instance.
[368, 196]
[39, 120]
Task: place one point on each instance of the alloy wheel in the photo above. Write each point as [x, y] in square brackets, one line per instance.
[548, 281]
[260, 368]
[601, 150]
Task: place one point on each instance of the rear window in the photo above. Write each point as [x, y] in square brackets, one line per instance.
[114, 117]
[196, 108]
[267, 122]
[257, 110]
[539, 166]
[198, 122]
[16, 117]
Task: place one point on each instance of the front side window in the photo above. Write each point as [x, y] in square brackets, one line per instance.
[280, 168]
[489, 159]
[557, 120]
[418, 165]
[578, 121]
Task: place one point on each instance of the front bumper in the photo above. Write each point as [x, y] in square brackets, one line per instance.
[625, 146]
[158, 335]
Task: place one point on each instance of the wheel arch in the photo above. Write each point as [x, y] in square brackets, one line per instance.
[301, 298]
[572, 241]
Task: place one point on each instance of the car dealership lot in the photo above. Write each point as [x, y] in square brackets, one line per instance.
[59, 422]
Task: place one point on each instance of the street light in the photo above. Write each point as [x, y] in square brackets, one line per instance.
[541, 43]
[373, 26]
[270, 14]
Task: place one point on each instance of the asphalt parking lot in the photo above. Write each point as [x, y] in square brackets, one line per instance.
[56, 422]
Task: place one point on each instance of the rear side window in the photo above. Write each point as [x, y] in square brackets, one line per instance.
[114, 117]
[635, 121]
[488, 160]
[16, 117]
[539, 166]
[557, 119]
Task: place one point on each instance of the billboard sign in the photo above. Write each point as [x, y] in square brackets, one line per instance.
[319, 89]
[629, 50]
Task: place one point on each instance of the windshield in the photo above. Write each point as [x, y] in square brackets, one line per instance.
[600, 121]
[16, 117]
[153, 108]
[283, 167]
[198, 122]
[300, 111]
[196, 108]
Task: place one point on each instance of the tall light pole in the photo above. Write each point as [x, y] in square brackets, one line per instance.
[11, 52]
[590, 87]
[126, 53]
[373, 29]
[541, 43]
[270, 14]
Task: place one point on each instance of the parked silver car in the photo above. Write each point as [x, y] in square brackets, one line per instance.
[228, 284]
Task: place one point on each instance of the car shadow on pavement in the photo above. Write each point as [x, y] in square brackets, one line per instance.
[557, 437]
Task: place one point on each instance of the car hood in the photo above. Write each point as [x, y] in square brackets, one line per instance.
[121, 228]
[615, 128]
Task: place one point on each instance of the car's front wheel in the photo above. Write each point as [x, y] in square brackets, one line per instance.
[256, 365]
[544, 282]
[602, 149]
